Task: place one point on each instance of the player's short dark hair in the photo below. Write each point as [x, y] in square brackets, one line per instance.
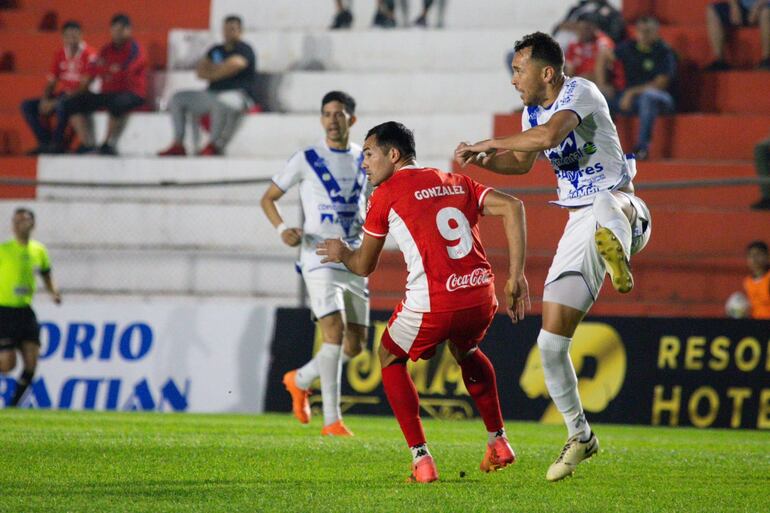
[339, 96]
[757, 244]
[394, 135]
[234, 19]
[71, 24]
[24, 210]
[544, 48]
[120, 19]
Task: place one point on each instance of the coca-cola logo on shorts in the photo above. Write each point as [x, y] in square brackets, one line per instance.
[475, 278]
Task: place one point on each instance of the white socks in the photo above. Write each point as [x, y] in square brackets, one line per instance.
[330, 370]
[309, 372]
[608, 214]
[561, 380]
[419, 452]
[493, 435]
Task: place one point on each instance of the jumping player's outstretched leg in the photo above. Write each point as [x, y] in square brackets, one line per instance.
[403, 399]
[481, 383]
[559, 324]
[613, 212]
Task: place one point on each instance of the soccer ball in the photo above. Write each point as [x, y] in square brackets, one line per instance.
[737, 305]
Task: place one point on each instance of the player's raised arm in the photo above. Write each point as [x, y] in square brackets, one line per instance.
[529, 142]
[514, 222]
[362, 261]
[501, 162]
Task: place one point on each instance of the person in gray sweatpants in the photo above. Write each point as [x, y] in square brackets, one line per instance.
[230, 69]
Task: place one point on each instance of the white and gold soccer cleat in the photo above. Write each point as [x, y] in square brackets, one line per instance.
[615, 259]
[574, 452]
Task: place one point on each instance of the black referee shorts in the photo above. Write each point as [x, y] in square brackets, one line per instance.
[17, 325]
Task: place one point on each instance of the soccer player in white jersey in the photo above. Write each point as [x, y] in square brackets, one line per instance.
[333, 192]
[567, 118]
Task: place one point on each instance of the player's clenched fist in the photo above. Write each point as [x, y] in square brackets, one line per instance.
[291, 236]
[333, 250]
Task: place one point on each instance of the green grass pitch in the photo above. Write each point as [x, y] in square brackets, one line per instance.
[73, 461]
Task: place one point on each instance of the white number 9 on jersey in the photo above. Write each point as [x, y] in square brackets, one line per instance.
[460, 232]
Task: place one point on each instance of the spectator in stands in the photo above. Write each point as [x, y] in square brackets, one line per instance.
[385, 15]
[48, 116]
[762, 163]
[422, 20]
[724, 16]
[344, 17]
[607, 17]
[231, 71]
[581, 56]
[648, 67]
[122, 68]
[757, 285]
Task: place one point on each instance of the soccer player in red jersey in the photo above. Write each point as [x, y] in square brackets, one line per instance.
[433, 217]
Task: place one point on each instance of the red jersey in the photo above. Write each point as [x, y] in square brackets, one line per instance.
[433, 216]
[123, 69]
[582, 56]
[69, 69]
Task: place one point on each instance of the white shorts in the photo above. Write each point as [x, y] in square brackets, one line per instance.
[332, 290]
[577, 253]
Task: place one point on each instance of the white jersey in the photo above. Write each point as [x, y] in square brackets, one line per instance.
[589, 160]
[333, 192]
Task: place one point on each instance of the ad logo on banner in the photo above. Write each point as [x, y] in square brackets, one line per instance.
[151, 357]
[713, 373]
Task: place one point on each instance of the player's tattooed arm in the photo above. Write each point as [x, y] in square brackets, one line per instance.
[361, 261]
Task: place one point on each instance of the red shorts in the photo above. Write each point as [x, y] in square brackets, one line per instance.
[416, 335]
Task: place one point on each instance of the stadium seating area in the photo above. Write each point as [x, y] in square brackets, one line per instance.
[449, 85]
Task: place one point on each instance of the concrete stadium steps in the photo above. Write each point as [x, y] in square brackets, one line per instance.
[312, 14]
[283, 50]
[681, 12]
[33, 51]
[24, 168]
[684, 136]
[95, 15]
[278, 136]
[132, 223]
[377, 92]
[15, 136]
[18, 87]
[691, 44]
[743, 92]
[172, 271]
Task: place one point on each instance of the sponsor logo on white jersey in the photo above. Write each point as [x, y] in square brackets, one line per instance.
[476, 278]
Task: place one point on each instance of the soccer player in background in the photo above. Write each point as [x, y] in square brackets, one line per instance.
[433, 217]
[757, 285]
[567, 118]
[20, 258]
[333, 192]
